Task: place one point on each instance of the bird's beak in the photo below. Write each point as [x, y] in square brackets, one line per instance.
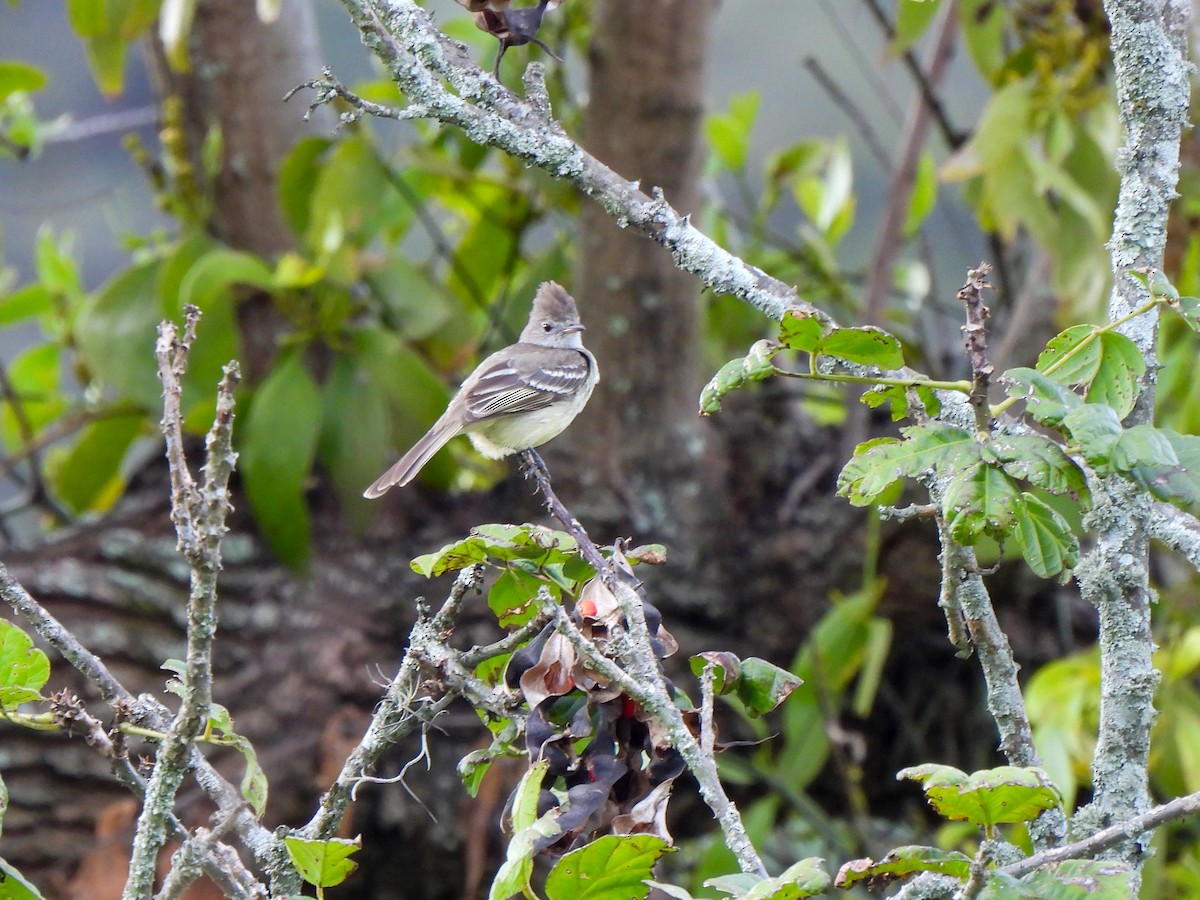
[570, 329]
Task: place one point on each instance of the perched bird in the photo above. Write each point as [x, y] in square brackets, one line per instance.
[512, 27]
[519, 397]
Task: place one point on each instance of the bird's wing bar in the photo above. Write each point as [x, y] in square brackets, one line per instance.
[531, 383]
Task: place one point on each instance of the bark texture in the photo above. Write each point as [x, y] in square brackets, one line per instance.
[641, 442]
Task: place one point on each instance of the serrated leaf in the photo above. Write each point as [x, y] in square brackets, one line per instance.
[609, 868]
[903, 862]
[322, 863]
[801, 331]
[1045, 399]
[278, 446]
[1096, 428]
[763, 685]
[979, 500]
[988, 797]
[1045, 538]
[878, 464]
[1039, 461]
[24, 669]
[867, 346]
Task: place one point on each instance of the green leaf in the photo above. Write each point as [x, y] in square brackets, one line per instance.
[115, 333]
[913, 18]
[513, 876]
[754, 366]
[801, 331]
[609, 868]
[1189, 310]
[806, 878]
[980, 500]
[763, 685]
[1040, 461]
[1073, 879]
[24, 669]
[1107, 365]
[903, 862]
[25, 303]
[867, 346]
[1178, 483]
[989, 797]
[18, 76]
[106, 55]
[1142, 445]
[297, 180]
[322, 863]
[278, 446]
[87, 17]
[983, 24]
[13, 885]
[1096, 428]
[35, 376]
[473, 767]
[924, 194]
[878, 464]
[1045, 538]
[356, 427]
[89, 478]
[254, 785]
[451, 558]
[727, 669]
[1045, 399]
[512, 598]
[729, 133]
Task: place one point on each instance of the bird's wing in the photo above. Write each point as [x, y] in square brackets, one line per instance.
[531, 380]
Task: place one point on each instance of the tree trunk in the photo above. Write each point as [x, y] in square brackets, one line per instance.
[640, 441]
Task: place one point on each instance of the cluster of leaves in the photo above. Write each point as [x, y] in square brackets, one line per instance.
[602, 767]
[988, 799]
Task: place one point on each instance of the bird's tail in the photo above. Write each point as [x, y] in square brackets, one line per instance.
[412, 462]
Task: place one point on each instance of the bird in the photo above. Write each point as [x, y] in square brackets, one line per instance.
[519, 397]
[512, 27]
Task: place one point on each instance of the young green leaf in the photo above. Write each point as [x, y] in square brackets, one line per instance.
[24, 669]
[763, 686]
[754, 366]
[979, 500]
[609, 868]
[322, 863]
[729, 133]
[989, 797]
[901, 863]
[800, 331]
[513, 876]
[806, 878]
[254, 785]
[1045, 538]
[1189, 310]
[867, 346]
[278, 446]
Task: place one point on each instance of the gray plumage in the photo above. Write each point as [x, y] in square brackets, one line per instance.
[519, 397]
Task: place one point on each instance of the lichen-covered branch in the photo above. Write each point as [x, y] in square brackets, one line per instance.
[1149, 43]
[199, 515]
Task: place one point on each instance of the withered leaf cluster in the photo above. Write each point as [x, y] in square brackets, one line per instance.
[611, 760]
[512, 27]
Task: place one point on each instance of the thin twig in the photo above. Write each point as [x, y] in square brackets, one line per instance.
[975, 340]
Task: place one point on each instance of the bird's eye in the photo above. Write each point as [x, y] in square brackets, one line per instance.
[547, 327]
